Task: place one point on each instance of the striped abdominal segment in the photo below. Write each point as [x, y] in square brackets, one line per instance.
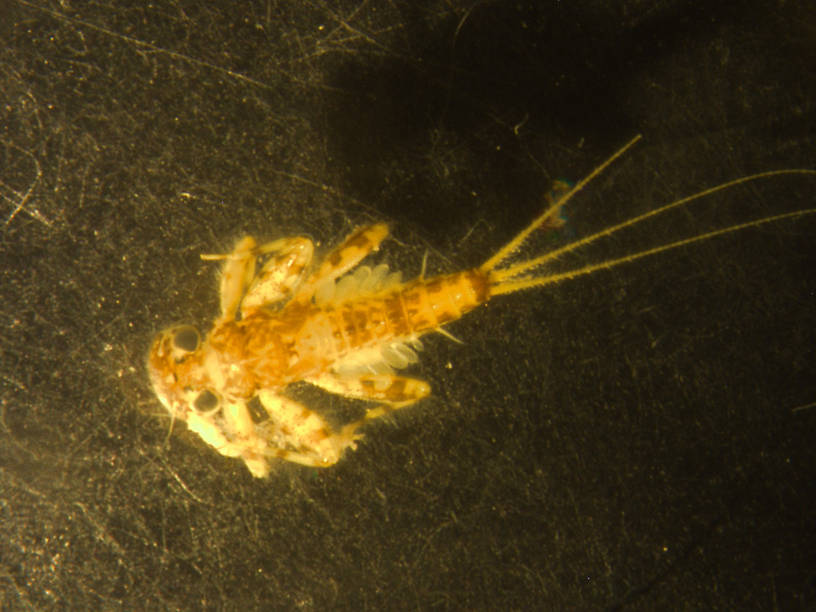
[409, 311]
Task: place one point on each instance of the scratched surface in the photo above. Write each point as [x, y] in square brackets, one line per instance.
[636, 439]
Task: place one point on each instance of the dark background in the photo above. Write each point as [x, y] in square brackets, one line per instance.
[636, 439]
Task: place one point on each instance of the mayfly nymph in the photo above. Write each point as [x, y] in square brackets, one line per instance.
[342, 328]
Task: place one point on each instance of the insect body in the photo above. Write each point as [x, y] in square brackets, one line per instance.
[345, 332]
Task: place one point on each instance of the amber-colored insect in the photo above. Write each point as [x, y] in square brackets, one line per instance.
[345, 333]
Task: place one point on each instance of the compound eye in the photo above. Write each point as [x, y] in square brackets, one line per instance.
[207, 401]
[186, 338]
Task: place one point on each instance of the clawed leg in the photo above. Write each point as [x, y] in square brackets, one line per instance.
[280, 275]
[390, 389]
[344, 257]
[236, 274]
[293, 432]
[297, 434]
[231, 432]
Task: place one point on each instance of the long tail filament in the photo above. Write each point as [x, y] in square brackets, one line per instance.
[517, 276]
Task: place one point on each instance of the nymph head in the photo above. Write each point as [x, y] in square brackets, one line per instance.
[172, 364]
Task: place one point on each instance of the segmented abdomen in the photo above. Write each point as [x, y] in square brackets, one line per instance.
[306, 339]
[409, 310]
